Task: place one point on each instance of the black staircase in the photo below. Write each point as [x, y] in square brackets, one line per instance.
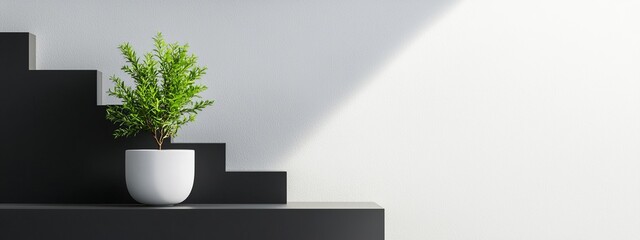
[62, 173]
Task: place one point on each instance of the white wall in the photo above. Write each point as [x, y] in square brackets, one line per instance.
[464, 119]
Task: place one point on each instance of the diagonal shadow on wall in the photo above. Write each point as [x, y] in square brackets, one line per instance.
[286, 66]
[276, 68]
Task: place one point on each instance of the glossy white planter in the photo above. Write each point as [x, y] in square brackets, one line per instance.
[160, 177]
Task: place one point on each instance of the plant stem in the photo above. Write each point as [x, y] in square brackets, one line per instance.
[158, 141]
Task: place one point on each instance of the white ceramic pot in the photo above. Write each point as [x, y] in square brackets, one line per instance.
[160, 177]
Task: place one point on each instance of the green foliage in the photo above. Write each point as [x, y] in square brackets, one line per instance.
[165, 96]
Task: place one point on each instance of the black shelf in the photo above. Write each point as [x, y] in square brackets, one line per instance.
[296, 220]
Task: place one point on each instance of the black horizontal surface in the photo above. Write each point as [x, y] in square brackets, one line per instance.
[299, 221]
[57, 147]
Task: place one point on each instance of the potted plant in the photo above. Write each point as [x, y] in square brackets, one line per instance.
[165, 98]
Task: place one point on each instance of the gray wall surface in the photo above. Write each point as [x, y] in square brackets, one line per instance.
[464, 119]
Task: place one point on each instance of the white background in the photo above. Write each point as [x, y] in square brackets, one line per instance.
[464, 119]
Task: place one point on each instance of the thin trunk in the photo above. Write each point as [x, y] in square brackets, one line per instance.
[158, 140]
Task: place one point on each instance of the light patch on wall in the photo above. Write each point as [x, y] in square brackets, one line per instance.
[503, 120]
